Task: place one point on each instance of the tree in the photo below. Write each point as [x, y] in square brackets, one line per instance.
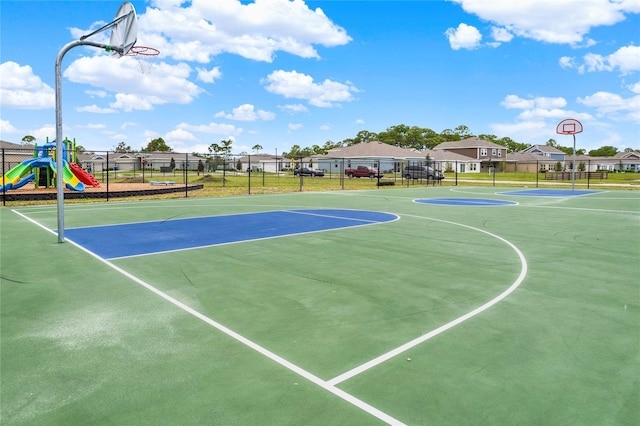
[239, 165]
[257, 148]
[122, 147]
[604, 151]
[172, 163]
[463, 132]
[226, 146]
[297, 152]
[28, 139]
[200, 167]
[158, 145]
[512, 146]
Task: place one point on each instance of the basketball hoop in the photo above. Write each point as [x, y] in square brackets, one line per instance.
[569, 126]
[144, 55]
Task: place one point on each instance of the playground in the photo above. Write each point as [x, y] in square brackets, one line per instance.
[41, 170]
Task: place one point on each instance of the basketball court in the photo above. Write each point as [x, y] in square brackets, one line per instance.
[293, 309]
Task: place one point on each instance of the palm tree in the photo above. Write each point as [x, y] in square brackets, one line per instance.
[257, 148]
[28, 139]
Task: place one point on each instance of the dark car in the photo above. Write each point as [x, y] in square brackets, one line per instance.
[307, 171]
[422, 172]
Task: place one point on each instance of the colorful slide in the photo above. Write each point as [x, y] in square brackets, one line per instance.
[22, 174]
[19, 176]
[84, 177]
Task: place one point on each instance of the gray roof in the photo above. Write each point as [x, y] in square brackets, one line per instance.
[468, 143]
[527, 157]
[443, 155]
[373, 149]
[543, 148]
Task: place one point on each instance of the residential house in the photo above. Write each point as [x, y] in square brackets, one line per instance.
[486, 152]
[385, 157]
[621, 162]
[527, 162]
[447, 161]
[546, 151]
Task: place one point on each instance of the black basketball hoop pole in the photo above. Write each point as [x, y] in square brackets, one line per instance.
[59, 146]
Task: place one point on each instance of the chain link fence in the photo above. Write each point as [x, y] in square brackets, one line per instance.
[107, 174]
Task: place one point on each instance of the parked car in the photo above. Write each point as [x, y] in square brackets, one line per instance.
[308, 171]
[422, 172]
[363, 171]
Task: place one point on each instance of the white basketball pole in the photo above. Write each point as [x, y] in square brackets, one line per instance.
[59, 146]
[573, 168]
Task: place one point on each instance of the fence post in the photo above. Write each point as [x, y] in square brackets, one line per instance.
[107, 176]
[186, 175]
[456, 172]
[4, 192]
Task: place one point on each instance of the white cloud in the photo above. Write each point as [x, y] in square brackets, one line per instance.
[255, 31]
[96, 109]
[129, 102]
[134, 90]
[209, 76]
[247, 112]
[44, 132]
[515, 101]
[464, 37]
[551, 21]
[626, 59]
[294, 126]
[501, 35]
[292, 84]
[97, 93]
[7, 127]
[293, 109]
[92, 126]
[20, 88]
[538, 117]
[611, 104]
[211, 128]
[179, 135]
[567, 62]
[128, 124]
[635, 88]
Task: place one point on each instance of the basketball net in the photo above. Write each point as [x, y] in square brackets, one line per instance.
[145, 57]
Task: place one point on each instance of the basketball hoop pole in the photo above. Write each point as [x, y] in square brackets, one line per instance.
[59, 147]
[573, 166]
[571, 126]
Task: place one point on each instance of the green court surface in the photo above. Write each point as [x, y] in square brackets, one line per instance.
[526, 313]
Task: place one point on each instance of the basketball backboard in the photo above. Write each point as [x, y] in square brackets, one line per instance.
[570, 126]
[125, 29]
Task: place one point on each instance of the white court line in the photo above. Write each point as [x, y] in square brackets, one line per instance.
[397, 351]
[373, 222]
[263, 351]
[629, 212]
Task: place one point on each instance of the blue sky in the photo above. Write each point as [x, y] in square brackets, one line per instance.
[278, 73]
